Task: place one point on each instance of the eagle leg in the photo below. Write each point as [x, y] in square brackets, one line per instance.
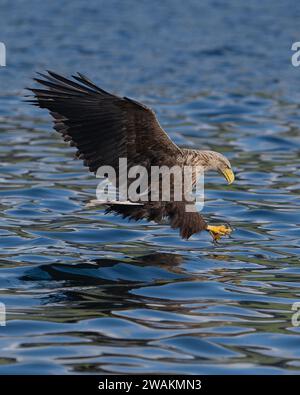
[218, 231]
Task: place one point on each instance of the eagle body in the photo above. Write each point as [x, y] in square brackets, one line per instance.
[105, 127]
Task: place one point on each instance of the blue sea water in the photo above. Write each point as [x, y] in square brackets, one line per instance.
[89, 293]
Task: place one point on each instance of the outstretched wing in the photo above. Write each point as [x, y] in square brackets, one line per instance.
[102, 126]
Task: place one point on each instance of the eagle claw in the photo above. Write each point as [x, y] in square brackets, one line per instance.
[218, 231]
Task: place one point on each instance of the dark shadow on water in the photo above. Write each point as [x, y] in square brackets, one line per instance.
[103, 284]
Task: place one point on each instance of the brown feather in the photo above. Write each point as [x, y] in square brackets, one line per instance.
[105, 127]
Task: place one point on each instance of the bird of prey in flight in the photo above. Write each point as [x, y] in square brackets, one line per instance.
[105, 127]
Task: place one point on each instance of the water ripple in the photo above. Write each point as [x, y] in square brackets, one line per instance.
[90, 293]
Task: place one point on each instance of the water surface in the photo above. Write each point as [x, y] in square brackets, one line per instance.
[89, 293]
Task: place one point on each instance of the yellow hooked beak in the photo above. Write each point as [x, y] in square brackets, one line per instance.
[228, 174]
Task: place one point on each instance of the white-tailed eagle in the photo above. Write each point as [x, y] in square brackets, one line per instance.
[105, 127]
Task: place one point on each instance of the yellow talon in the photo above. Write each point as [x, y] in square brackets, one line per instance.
[218, 231]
